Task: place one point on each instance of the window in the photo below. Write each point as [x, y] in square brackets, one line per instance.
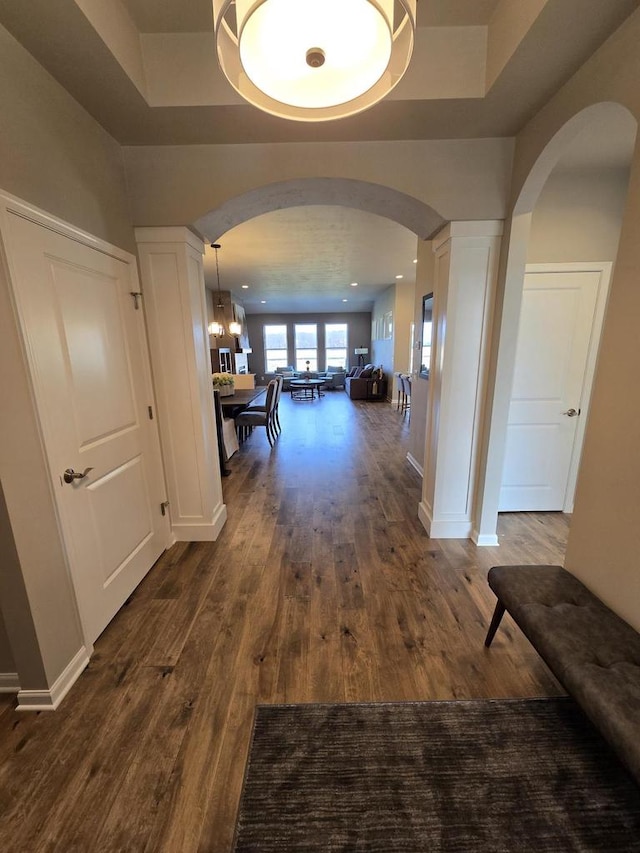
[335, 338]
[306, 341]
[275, 347]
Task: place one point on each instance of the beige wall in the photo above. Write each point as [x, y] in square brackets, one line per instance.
[425, 279]
[179, 184]
[610, 75]
[605, 536]
[402, 320]
[382, 349]
[603, 541]
[7, 664]
[54, 155]
[578, 216]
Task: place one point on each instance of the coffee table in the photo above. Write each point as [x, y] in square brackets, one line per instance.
[305, 389]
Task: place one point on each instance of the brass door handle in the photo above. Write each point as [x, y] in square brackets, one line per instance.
[70, 475]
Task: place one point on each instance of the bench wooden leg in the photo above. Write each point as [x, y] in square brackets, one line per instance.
[498, 613]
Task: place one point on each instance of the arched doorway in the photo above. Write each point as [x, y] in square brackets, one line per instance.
[415, 215]
[171, 262]
[580, 134]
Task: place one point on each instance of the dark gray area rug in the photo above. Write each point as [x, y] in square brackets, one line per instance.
[497, 776]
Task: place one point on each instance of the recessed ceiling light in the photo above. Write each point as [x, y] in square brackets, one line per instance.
[345, 300]
[399, 276]
[354, 284]
[245, 287]
[415, 260]
[263, 301]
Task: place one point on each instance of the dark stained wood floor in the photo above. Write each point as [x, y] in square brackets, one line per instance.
[323, 587]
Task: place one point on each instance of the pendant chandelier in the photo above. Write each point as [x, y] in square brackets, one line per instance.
[217, 326]
[314, 60]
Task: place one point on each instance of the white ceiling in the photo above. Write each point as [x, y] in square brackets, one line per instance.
[306, 258]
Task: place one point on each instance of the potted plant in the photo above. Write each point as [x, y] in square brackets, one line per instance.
[224, 383]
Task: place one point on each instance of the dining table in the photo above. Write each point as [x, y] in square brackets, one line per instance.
[232, 405]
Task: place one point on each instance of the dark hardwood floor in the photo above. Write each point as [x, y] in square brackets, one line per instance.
[323, 587]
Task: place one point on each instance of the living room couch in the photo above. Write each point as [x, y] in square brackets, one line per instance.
[366, 383]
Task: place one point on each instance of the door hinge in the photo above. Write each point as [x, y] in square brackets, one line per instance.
[164, 506]
[136, 295]
[150, 410]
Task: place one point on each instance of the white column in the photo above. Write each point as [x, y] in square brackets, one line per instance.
[174, 300]
[466, 255]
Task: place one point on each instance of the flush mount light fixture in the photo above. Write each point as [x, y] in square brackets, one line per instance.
[314, 60]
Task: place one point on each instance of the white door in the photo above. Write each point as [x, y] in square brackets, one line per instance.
[557, 344]
[87, 348]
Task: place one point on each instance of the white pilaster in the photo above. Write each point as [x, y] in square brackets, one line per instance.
[174, 299]
[465, 276]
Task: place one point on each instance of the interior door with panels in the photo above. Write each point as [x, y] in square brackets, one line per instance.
[558, 338]
[86, 344]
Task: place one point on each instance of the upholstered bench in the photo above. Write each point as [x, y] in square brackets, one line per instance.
[592, 652]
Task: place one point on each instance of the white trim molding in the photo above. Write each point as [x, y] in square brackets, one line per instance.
[206, 532]
[465, 273]
[411, 459]
[486, 540]
[49, 700]
[173, 285]
[443, 528]
[9, 682]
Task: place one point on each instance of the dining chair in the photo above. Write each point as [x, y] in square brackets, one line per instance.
[257, 407]
[406, 387]
[400, 392]
[226, 428]
[263, 416]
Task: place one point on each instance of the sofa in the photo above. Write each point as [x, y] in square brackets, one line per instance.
[366, 383]
[592, 652]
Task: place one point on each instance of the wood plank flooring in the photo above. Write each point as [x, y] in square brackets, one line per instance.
[323, 587]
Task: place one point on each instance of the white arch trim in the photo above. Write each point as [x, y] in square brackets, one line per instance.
[415, 215]
[548, 158]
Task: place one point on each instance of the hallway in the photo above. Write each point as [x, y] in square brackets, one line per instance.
[323, 587]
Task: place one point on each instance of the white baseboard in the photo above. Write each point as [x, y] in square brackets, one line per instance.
[415, 464]
[443, 529]
[206, 532]
[9, 682]
[483, 540]
[48, 700]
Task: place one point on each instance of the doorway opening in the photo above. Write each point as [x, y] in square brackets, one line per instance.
[564, 236]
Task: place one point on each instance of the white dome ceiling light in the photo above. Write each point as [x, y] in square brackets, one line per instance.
[314, 60]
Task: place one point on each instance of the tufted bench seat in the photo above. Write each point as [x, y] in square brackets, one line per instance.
[591, 651]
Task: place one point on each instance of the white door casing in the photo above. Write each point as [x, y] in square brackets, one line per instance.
[87, 350]
[561, 319]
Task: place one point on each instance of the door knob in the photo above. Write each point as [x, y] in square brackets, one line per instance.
[571, 413]
[70, 475]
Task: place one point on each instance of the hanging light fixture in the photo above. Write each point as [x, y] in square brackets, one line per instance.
[314, 60]
[216, 327]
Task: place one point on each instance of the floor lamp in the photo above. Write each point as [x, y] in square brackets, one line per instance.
[361, 352]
